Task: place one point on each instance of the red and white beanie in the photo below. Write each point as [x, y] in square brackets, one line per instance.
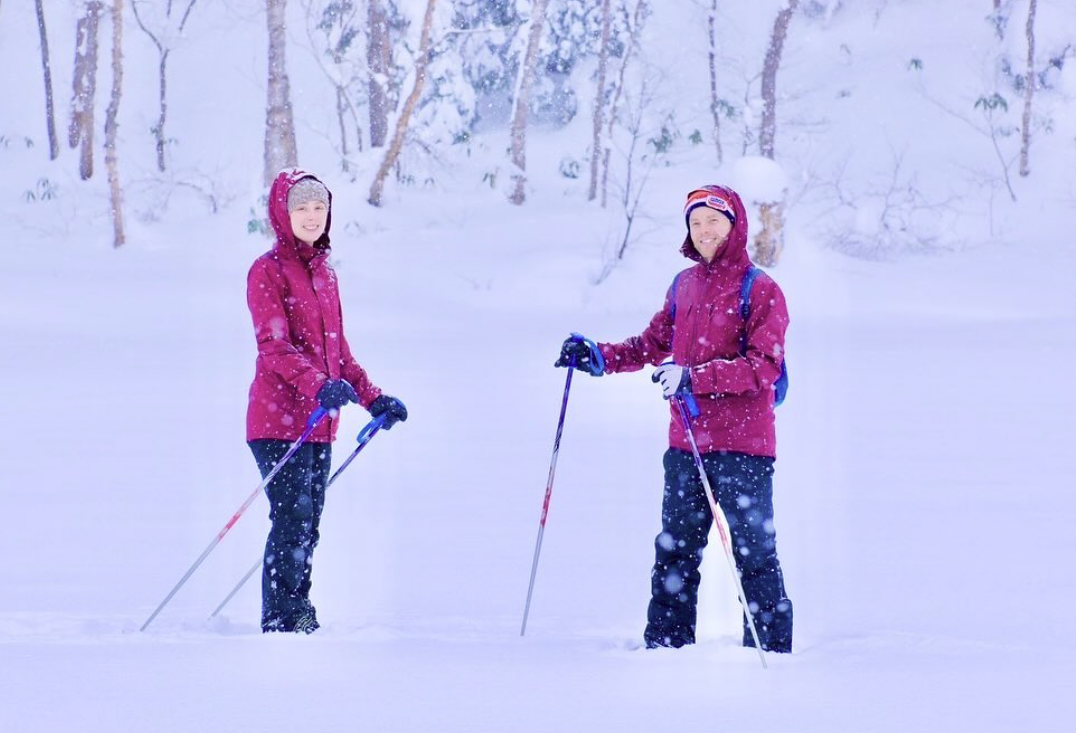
[712, 197]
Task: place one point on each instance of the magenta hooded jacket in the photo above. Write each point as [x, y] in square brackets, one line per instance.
[295, 303]
[734, 391]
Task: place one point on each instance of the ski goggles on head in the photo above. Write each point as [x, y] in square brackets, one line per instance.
[711, 200]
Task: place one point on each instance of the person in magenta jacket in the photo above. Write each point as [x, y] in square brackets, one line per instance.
[304, 361]
[730, 366]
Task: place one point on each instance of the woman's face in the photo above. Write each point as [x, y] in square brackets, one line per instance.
[708, 228]
[308, 221]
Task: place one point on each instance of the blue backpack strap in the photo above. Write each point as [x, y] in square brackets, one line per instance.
[781, 385]
[672, 292]
[749, 276]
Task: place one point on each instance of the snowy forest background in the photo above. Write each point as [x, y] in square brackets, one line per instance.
[904, 144]
[504, 172]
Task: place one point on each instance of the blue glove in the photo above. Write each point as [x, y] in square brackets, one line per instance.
[336, 393]
[393, 410]
[586, 353]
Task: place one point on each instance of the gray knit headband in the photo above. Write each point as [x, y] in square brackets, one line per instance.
[305, 191]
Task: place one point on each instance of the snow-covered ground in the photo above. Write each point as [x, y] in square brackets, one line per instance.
[923, 487]
[923, 498]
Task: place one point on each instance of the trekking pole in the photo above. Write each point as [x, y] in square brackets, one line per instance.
[315, 418]
[722, 522]
[365, 435]
[548, 489]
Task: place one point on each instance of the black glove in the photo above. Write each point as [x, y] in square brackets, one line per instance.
[587, 356]
[391, 407]
[336, 393]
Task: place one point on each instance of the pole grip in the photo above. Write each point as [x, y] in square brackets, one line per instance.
[315, 417]
[371, 427]
[692, 405]
[687, 398]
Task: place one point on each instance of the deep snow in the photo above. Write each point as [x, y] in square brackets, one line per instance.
[923, 487]
[922, 505]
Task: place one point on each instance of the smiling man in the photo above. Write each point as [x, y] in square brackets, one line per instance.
[723, 323]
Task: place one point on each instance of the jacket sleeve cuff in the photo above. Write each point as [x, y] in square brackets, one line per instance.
[612, 361]
[368, 395]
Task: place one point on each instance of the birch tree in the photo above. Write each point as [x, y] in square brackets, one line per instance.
[46, 68]
[393, 151]
[84, 86]
[111, 125]
[280, 147]
[1029, 90]
[599, 100]
[163, 34]
[768, 128]
[379, 60]
[522, 103]
[715, 104]
[770, 239]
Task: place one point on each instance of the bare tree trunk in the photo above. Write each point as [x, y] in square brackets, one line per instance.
[768, 129]
[84, 85]
[770, 240]
[599, 101]
[341, 108]
[393, 151]
[633, 33]
[1029, 90]
[379, 60]
[771, 237]
[158, 129]
[162, 66]
[162, 71]
[50, 117]
[355, 120]
[111, 125]
[714, 108]
[523, 103]
[280, 147]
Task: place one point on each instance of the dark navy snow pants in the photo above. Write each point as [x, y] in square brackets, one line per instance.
[296, 498]
[743, 486]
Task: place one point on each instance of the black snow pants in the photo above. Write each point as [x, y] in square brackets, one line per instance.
[743, 486]
[296, 498]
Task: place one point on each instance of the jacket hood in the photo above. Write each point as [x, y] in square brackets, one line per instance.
[734, 250]
[278, 211]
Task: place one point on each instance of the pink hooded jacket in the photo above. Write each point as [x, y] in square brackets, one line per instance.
[734, 392]
[294, 301]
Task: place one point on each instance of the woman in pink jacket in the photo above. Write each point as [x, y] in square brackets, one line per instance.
[730, 364]
[304, 362]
